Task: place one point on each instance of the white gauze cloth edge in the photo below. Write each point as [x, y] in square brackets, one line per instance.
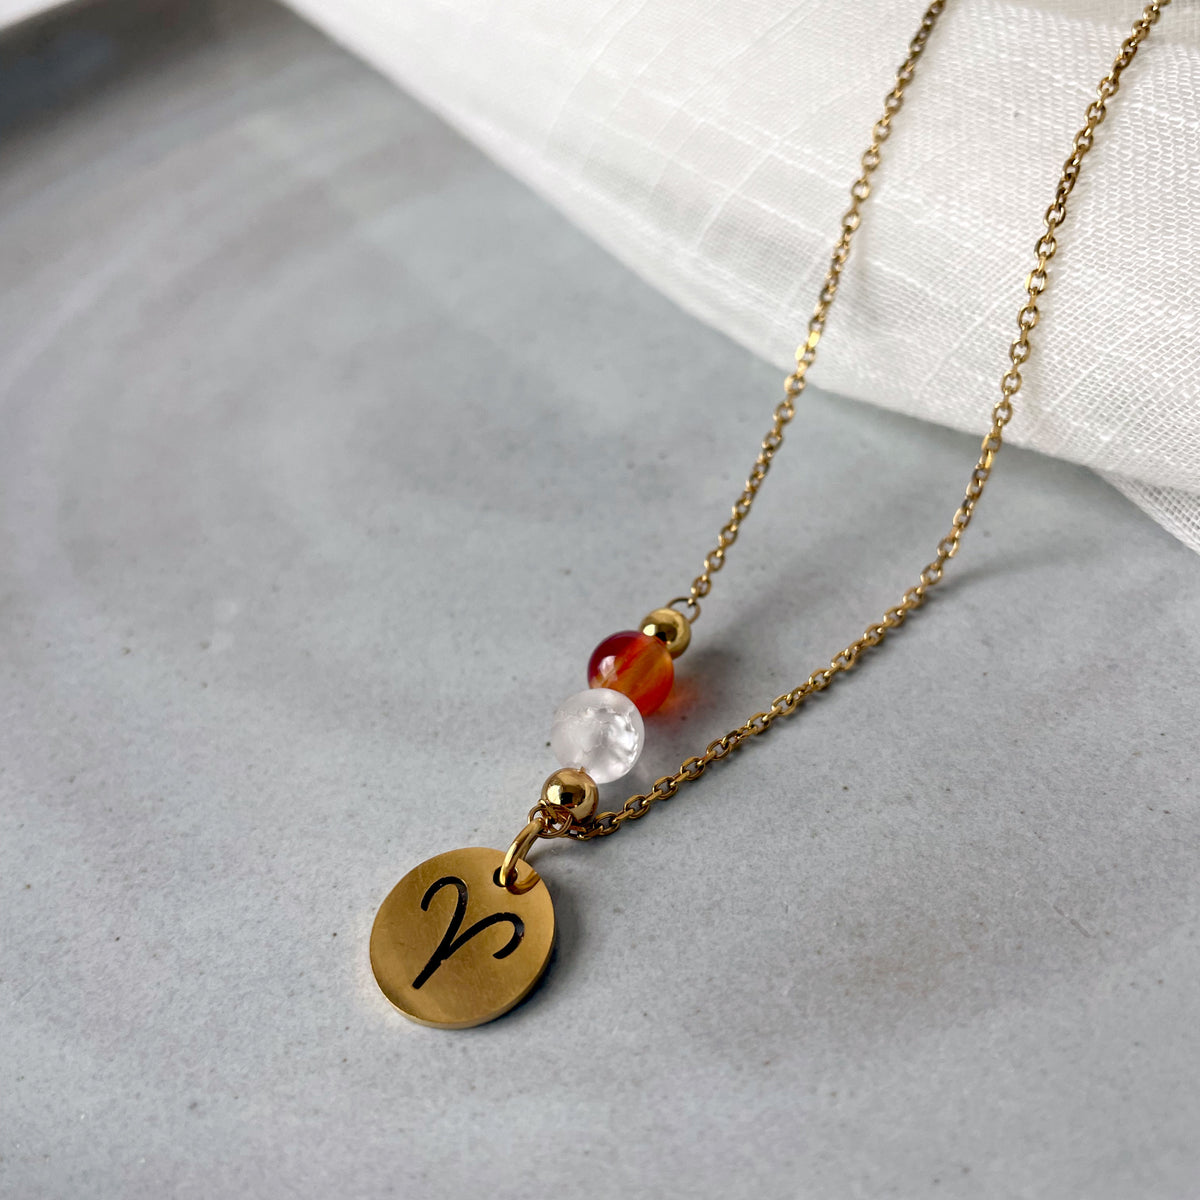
[710, 145]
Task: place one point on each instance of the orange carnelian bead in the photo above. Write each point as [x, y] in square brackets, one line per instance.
[635, 664]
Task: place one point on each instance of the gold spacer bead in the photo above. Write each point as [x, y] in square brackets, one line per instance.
[671, 628]
[573, 791]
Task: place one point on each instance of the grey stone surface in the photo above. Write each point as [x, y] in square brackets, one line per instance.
[328, 453]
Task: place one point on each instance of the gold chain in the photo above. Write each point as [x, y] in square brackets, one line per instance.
[1010, 384]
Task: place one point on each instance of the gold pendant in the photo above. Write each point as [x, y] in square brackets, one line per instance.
[453, 947]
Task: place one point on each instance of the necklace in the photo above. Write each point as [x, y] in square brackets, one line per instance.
[465, 936]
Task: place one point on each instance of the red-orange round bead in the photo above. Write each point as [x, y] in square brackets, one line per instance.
[635, 664]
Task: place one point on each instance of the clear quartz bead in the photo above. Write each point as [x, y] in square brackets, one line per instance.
[599, 731]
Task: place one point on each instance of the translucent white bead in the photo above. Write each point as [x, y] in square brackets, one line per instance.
[599, 731]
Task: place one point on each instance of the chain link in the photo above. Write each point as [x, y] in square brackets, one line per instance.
[794, 385]
[1045, 248]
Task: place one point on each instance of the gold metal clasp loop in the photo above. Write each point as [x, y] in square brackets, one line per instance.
[689, 602]
[520, 847]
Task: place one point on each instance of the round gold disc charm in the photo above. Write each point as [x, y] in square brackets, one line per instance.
[452, 947]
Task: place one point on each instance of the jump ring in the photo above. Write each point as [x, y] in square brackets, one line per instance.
[519, 848]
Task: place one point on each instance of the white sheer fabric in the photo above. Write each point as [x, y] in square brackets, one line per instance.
[710, 144]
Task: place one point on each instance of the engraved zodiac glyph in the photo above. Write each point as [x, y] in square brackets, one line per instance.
[452, 940]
